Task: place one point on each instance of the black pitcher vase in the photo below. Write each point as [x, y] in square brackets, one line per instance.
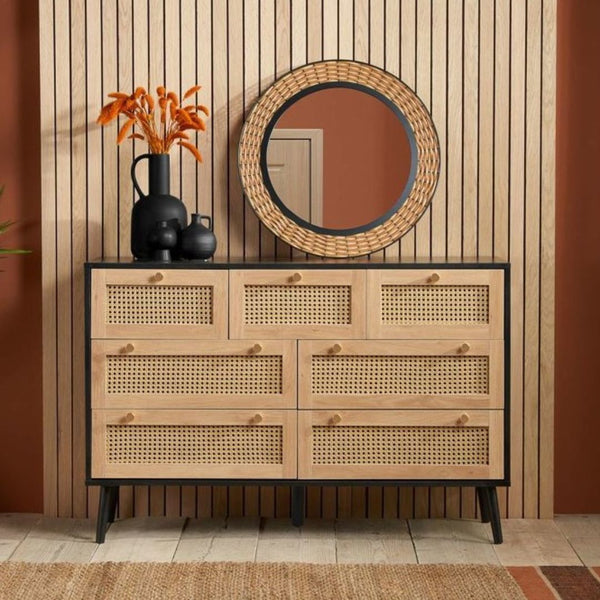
[157, 205]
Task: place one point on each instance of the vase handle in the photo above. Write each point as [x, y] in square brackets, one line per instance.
[136, 185]
[208, 219]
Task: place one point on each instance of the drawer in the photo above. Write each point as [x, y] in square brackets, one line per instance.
[281, 303]
[172, 303]
[401, 374]
[193, 374]
[403, 444]
[445, 303]
[193, 444]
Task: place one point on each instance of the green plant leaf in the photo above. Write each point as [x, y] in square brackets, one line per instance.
[14, 251]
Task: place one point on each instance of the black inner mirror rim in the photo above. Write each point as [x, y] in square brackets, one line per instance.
[414, 153]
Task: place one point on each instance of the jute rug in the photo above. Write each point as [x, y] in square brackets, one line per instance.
[237, 581]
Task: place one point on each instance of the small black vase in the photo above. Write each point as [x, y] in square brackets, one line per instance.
[197, 241]
[163, 240]
[157, 206]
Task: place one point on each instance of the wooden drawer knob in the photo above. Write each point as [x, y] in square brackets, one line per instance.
[462, 420]
[128, 348]
[256, 419]
[335, 419]
[128, 418]
[433, 278]
[157, 277]
[296, 277]
[336, 349]
[256, 349]
[464, 348]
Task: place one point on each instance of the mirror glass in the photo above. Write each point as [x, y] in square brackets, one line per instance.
[339, 159]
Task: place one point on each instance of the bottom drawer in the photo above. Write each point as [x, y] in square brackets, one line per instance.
[182, 444]
[400, 444]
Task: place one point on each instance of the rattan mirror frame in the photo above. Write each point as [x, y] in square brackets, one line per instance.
[398, 95]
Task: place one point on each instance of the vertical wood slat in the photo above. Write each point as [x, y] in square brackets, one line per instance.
[49, 265]
[547, 250]
[63, 258]
[485, 70]
[470, 143]
[78, 254]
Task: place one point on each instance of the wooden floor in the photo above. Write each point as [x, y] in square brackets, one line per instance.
[566, 540]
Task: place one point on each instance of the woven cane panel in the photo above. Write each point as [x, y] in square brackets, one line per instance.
[372, 375]
[235, 375]
[194, 444]
[297, 305]
[399, 445]
[159, 305]
[440, 304]
[400, 96]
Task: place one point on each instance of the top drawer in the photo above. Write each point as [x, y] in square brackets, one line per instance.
[427, 303]
[169, 303]
[312, 303]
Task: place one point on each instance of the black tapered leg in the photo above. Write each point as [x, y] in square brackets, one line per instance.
[113, 499]
[298, 493]
[103, 512]
[484, 504]
[495, 515]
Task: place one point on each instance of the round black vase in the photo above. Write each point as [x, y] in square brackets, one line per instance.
[157, 205]
[163, 240]
[197, 241]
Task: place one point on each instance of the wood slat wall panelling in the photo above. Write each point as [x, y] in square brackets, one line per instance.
[438, 206]
[79, 242]
[408, 68]
[376, 56]
[64, 171]
[345, 51]
[422, 229]
[501, 128]
[516, 199]
[93, 156]
[546, 311]
[485, 69]
[532, 259]
[470, 142]
[250, 87]
[188, 63]
[454, 160]
[49, 263]
[204, 173]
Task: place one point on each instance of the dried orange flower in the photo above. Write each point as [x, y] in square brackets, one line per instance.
[173, 119]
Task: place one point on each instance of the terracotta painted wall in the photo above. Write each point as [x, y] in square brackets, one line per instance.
[20, 281]
[577, 449]
[577, 262]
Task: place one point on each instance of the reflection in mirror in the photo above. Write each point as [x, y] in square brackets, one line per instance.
[339, 158]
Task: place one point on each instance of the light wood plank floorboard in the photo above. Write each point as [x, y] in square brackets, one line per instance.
[534, 542]
[15, 527]
[371, 549]
[33, 549]
[136, 550]
[452, 541]
[566, 540]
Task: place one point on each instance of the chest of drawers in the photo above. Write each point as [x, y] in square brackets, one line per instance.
[297, 373]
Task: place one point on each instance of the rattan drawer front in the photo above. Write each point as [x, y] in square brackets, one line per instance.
[172, 303]
[280, 303]
[193, 444]
[435, 304]
[411, 444]
[193, 374]
[401, 374]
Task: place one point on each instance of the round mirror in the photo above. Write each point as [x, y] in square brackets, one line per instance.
[339, 158]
